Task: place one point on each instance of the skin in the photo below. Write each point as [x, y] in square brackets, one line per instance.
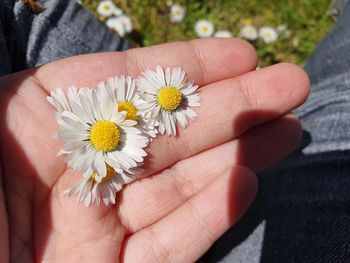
[199, 183]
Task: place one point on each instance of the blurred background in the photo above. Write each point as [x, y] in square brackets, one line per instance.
[286, 30]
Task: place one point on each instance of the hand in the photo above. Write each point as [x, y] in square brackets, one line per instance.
[199, 184]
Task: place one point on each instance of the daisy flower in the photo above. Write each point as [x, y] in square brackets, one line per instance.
[283, 31]
[248, 21]
[122, 90]
[121, 24]
[89, 190]
[282, 28]
[169, 97]
[268, 34]
[116, 25]
[117, 11]
[106, 8]
[96, 134]
[126, 21]
[223, 33]
[249, 32]
[177, 13]
[295, 42]
[204, 28]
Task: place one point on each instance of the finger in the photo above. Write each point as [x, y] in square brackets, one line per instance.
[230, 108]
[27, 128]
[185, 234]
[76, 232]
[148, 200]
[205, 61]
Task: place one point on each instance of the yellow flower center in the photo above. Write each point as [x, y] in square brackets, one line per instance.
[106, 7]
[204, 28]
[169, 98]
[248, 21]
[109, 175]
[130, 110]
[104, 136]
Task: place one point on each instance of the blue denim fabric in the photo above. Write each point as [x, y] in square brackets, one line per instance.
[61, 30]
[302, 210]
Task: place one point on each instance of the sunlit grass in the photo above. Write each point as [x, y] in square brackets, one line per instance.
[306, 20]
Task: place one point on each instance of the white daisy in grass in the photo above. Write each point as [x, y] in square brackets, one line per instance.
[106, 8]
[169, 97]
[268, 34]
[116, 25]
[126, 22]
[223, 33]
[122, 90]
[96, 134]
[282, 28]
[249, 32]
[177, 13]
[204, 28]
[89, 190]
[117, 11]
[121, 24]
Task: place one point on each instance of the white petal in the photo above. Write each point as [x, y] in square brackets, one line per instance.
[188, 89]
[181, 118]
[189, 113]
[166, 120]
[120, 88]
[147, 85]
[86, 103]
[87, 201]
[160, 75]
[168, 76]
[74, 145]
[130, 89]
[172, 124]
[79, 111]
[161, 125]
[127, 123]
[155, 112]
[67, 135]
[111, 161]
[99, 166]
[178, 77]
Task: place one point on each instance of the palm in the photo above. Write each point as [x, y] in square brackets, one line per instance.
[197, 186]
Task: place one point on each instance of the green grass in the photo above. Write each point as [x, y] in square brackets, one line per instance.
[307, 21]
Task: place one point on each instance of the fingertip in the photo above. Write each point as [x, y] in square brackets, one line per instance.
[284, 85]
[244, 186]
[294, 130]
[250, 55]
[298, 79]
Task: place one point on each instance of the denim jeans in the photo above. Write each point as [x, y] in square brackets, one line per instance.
[61, 30]
[302, 210]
